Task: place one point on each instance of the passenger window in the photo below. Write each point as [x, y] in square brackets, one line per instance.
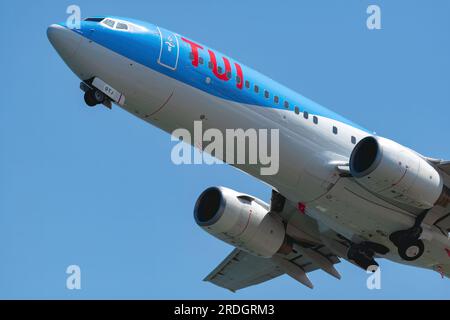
[276, 99]
[219, 69]
[296, 110]
[256, 88]
[266, 94]
[238, 79]
[200, 60]
[210, 65]
[315, 120]
[286, 104]
[229, 75]
[353, 140]
[191, 56]
[305, 115]
[335, 130]
[121, 26]
[247, 84]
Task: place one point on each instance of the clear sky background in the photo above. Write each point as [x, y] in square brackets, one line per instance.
[97, 188]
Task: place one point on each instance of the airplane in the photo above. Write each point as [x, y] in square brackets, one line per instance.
[341, 191]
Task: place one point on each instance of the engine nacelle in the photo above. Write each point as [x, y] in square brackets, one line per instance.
[393, 171]
[241, 220]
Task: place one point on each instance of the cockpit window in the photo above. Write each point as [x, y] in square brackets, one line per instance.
[94, 19]
[110, 23]
[121, 26]
[117, 24]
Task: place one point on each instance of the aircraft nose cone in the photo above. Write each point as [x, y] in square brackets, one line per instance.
[64, 40]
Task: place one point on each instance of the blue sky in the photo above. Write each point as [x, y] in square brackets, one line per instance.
[97, 188]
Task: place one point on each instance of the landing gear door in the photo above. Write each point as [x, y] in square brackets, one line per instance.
[170, 49]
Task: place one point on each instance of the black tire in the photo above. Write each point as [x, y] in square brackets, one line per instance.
[90, 99]
[411, 251]
[99, 96]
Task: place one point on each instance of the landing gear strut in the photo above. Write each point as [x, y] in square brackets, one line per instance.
[409, 246]
[363, 253]
[94, 97]
[362, 256]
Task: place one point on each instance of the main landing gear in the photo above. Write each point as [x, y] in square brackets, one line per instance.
[409, 246]
[93, 97]
[363, 253]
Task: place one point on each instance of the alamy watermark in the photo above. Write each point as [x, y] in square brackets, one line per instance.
[73, 281]
[236, 146]
[374, 280]
[74, 19]
[374, 20]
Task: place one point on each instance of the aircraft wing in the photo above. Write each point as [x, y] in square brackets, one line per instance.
[444, 166]
[241, 269]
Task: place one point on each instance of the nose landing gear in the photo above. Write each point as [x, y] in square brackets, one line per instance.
[94, 97]
[96, 92]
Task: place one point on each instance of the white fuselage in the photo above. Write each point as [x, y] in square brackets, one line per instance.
[308, 155]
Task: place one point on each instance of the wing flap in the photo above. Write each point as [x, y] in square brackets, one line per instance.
[241, 269]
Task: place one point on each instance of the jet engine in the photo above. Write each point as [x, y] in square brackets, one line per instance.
[393, 171]
[242, 221]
